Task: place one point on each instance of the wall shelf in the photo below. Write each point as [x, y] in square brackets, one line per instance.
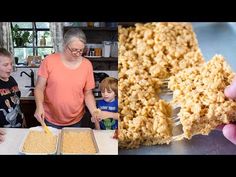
[103, 59]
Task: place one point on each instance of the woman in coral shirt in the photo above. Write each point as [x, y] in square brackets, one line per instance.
[65, 83]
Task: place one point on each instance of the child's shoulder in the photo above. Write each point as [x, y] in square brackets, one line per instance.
[12, 79]
[115, 101]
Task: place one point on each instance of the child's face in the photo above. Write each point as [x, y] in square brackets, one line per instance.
[5, 67]
[108, 95]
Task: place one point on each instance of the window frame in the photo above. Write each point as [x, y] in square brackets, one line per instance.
[35, 42]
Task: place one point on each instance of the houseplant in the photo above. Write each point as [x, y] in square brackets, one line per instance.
[20, 37]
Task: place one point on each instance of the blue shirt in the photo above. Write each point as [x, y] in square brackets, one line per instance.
[109, 123]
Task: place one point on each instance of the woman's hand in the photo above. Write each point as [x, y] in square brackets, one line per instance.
[95, 119]
[95, 115]
[39, 114]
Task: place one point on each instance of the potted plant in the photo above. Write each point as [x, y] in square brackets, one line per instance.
[20, 37]
[16, 34]
[25, 37]
[43, 41]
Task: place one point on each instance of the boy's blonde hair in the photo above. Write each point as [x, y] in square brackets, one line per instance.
[109, 83]
[4, 52]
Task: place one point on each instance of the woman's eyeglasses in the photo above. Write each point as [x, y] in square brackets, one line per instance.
[75, 51]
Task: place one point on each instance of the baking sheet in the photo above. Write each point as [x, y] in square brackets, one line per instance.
[213, 38]
[68, 129]
[39, 128]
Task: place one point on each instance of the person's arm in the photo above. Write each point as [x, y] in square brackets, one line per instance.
[97, 125]
[39, 98]
[90, 102]
[106, 114]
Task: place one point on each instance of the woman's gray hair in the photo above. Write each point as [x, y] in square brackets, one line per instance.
[74, 33]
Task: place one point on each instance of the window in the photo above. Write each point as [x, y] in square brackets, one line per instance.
[31, 39]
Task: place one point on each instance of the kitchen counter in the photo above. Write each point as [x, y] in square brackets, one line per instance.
[14, 137]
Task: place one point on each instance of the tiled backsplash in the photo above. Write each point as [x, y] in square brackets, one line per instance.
[25, 80]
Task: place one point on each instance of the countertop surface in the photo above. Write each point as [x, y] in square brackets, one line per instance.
[213, 38]
[15, 136]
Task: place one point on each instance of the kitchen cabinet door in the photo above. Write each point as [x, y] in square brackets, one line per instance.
[28, 108]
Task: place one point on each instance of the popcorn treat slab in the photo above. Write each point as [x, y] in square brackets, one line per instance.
[75, 141]
[37, 142]
[200, 93]
[148, 54]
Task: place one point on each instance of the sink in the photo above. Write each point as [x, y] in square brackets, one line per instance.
[31, 92]
[24, 92]
[27, 92]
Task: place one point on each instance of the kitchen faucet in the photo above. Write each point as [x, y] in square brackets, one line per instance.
[31, 76]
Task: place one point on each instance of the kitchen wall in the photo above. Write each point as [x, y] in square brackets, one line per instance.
[24, 80]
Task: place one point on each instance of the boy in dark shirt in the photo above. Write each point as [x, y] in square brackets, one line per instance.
[10, 112]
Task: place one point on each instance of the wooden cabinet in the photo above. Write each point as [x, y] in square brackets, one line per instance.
[128, 24]
[86, 120]
[28, 108]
